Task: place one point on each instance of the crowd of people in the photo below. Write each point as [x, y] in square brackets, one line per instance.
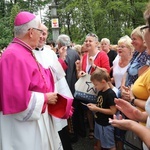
[34, 71]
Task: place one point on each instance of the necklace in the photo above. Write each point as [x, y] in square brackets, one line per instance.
[38, 64]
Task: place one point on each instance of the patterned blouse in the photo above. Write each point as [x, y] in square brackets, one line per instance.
[138, 60]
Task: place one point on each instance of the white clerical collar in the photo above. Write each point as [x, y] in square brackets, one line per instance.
[39, 49]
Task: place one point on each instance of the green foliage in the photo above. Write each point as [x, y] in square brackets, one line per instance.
[87, 17]
[106, 18]
[5, 32]
[14, 11]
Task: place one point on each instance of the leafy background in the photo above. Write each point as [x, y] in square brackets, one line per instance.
[107, 18]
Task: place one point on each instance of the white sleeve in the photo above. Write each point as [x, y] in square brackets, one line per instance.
[34, 109]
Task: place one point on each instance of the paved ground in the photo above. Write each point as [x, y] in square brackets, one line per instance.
[83, 144]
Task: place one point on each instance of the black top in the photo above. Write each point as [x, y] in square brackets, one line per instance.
[104, 100]
[112, 55]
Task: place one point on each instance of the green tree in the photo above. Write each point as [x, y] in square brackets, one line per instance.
[14, 11]
[107, 18]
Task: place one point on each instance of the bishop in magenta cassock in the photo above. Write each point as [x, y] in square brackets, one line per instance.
[25, 89]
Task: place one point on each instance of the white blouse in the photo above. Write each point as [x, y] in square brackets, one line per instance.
[118, 73]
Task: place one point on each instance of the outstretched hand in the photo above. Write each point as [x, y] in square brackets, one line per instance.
[128, 110]
[92, 107]
[124, 124]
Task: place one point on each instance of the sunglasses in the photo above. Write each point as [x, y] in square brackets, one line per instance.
[92, 34]
[144, 27]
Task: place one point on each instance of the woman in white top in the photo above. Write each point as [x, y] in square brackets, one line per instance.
[120, 64]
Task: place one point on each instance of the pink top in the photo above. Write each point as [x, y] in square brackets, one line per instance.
[19, 76]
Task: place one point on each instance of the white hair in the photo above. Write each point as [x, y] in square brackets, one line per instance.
[20, 31]
[105, 40]
[127, 41]
[64, 40]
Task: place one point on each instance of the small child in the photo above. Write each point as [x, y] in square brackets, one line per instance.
[104, 109]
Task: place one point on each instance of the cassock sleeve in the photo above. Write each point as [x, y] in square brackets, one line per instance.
[34, 109]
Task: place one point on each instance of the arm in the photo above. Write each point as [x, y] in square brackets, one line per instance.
[101, 61]
[62, 56]
[141, 131]
[125, 93]
[104, 61]
[94, 108]
[37, 105]
[34, 108]
[63, 64]
[91, 61]
[136, 102]
[130, 111]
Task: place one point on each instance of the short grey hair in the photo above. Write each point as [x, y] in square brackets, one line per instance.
[20, 31]
[64, 40]
[93, 35]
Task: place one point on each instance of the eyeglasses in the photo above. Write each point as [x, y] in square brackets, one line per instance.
[38, 29]
[144, 27]
[121, 47]
[92, 34]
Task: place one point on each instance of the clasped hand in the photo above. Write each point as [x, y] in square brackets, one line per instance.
[51, 98]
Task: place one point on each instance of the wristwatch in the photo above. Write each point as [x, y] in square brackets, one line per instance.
[132, 102]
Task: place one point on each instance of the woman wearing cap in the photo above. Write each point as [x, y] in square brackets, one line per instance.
[26, 89]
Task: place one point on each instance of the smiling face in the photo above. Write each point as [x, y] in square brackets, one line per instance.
[137, 42]
[34, 34]
[90, 43]
[43, 36]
